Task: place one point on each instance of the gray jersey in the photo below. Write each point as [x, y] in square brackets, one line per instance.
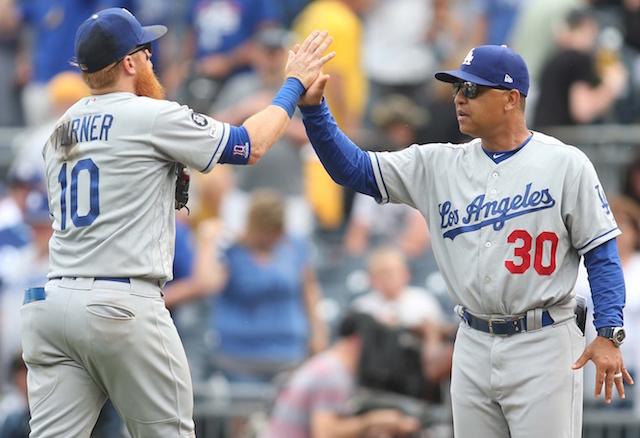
[508, 236]
[110, 170]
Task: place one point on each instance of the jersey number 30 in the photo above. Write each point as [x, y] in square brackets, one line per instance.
[86, 165]
[546, 239]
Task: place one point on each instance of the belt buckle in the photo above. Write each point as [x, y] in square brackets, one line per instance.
[497, 320]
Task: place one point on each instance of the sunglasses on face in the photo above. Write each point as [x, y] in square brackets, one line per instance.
[137, 49]
[469, 90]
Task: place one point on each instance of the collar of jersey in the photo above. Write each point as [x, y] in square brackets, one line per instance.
[498, 156]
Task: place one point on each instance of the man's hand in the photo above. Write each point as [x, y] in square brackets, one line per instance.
[305, 61]
[608, 361]
[315, 91]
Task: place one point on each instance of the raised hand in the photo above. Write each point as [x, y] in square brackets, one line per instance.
[305, 61]
[315, 91]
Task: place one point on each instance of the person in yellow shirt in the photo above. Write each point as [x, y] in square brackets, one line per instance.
[346, 93]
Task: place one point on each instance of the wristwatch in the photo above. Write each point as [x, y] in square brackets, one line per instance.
[615, 334]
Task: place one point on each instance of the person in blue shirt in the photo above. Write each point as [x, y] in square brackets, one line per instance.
[219, 43]
[266, 296]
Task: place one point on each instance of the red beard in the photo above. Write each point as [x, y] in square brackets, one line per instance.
[148, 85]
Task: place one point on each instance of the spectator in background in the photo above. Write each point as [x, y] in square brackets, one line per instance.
[399, 53]
[49, 45]
[315, 400]
[398, 119]
[626, 211]
[22, 180]
[573, 90]
[533, 37]
[24, 263]
[266, 289]
[394, 302]
[496, 20]
[347, 93]
[62, 91]
[281, 169]
[218, 44]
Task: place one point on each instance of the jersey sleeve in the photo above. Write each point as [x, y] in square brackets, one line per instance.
[188, 137]
[400, 175]
[587, 213]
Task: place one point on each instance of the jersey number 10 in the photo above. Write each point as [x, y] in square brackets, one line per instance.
[524, 252]
[85, 165]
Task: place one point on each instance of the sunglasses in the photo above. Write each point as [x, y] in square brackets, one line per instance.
[470, 90]
[137, 49]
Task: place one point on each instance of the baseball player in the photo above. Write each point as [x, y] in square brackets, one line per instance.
[99, 328]
[511, 214]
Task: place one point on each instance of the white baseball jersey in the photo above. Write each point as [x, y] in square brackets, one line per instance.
[508, 236]
[110, 171]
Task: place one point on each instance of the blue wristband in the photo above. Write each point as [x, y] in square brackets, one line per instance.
[289, 95]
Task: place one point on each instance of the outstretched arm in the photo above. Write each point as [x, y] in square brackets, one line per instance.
[345, 162]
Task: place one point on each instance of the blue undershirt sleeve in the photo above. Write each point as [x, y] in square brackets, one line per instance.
[607, 284]
[238, 147]
[344, 161]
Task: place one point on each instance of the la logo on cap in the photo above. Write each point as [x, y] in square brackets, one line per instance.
[469, 58]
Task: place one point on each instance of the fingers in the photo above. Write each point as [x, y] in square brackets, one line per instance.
[619, 382]
[608, 387]
[627, 376]
[307, 42]
[581, 361]
[318, 44]
[610, 380]
[328, 57]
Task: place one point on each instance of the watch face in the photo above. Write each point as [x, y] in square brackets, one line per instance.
[618, 336]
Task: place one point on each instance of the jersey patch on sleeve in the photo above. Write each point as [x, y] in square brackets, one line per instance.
[199, 119]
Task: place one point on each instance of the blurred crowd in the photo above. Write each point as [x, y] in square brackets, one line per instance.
[272, 260]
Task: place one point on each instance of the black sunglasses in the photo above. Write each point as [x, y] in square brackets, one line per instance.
[146, 46]
[470, 90]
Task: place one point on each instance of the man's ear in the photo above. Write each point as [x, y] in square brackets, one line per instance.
[129, 65]
[513, 99]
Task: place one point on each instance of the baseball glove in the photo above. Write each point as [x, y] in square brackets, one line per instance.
[182, 186]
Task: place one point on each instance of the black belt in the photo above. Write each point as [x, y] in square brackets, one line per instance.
[503, 326]
[118, 279]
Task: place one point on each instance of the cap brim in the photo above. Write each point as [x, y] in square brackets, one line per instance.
[152, 33]
[451, 76]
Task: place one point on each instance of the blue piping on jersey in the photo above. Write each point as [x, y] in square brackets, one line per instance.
[596, 238]
[384, 199]
[215, 152]
[506, 154]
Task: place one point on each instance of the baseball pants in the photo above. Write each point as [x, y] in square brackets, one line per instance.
[519, 386]
[92, 339]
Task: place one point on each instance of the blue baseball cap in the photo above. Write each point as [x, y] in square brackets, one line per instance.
[107, 36]
[492, 66]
